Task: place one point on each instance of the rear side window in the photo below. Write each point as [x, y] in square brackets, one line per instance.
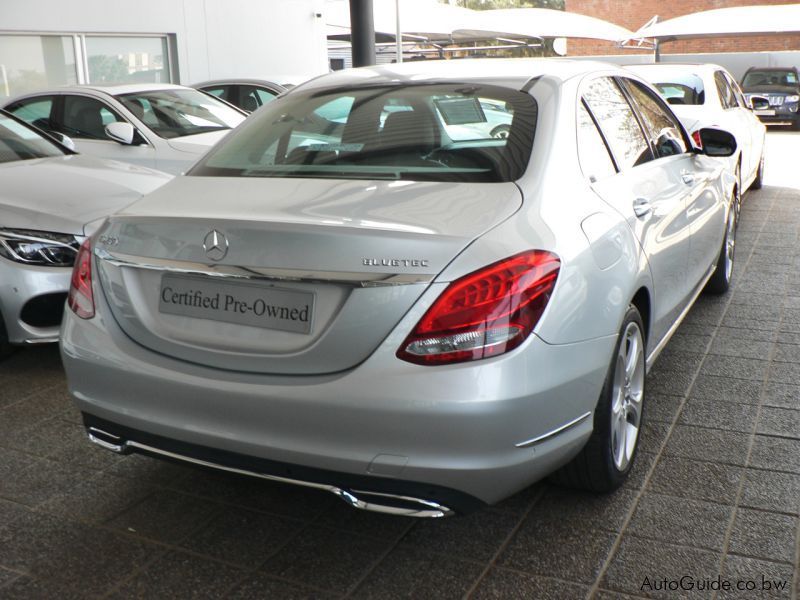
[682, 89]
[35, 111]
[596, 162]
[618, 123]
[726, 96]
[430, 132]
[664, 130]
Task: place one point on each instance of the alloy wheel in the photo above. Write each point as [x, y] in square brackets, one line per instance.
[627, 396]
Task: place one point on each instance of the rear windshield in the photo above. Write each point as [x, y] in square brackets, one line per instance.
[432, 132]
[683, 89]
[770, 77]
[19, 142]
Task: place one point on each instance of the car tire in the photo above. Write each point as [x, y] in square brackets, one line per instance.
[759, 180]
[720, 281]
[605, 461]
[738, 190]
[501, 131]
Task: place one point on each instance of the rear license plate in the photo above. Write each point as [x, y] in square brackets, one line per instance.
[256, 305]
[765, 113]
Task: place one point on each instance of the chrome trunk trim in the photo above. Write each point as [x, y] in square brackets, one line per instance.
[426, 508]
[554, 432]
[341, 277]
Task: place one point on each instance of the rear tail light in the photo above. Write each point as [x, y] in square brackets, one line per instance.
[485, 313]
[696, 138]
[81, 298]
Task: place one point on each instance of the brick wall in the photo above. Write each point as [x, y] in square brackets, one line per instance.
[635, 13]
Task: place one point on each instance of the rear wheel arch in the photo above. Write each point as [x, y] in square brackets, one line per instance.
[641, 300]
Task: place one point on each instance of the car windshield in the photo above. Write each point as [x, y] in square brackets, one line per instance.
[682, 89]
[19, 142]
[431, 132]
[177, 113]
[770, 77]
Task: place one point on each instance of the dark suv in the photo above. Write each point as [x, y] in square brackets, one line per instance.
[781, 86]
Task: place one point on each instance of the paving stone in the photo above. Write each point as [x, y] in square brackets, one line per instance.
[786, 353]
[682, 362]
[27, 588]
[37, 482]
[578, 555]
[662, 408]
[771, 490]
[765, 535]
[477, 536]
[719, 415]
[639, 566]
[174, 573]
[687, 342]
[695, 479]
[669, 382]
[735, 367]
[150, 471]
[501, 584]
[406, 573]
[362, 522]
[763, 312]
[165, 516]
[7, 576]
[652, 436]
[761, 574]
[242, 537]
[784, 373]
[642, 463]
[584, 510]
[779, 421]
[783, 395]
[262, 587]
[776, 453]
[714, 445]
[681, 521]
[724, 389]
[326, 559]
[742, 343]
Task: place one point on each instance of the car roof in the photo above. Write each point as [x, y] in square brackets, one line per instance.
[111, 89]
[509, 71]
[677, 67]
[238, 80]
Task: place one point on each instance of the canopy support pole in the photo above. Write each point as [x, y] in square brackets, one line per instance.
[362, 33]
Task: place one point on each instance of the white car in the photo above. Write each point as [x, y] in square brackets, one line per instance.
[708, 96]
[163, 126]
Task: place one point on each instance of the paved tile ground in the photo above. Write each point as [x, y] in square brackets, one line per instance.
[714, 497]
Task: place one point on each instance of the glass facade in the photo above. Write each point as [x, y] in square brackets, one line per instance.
[33, 62]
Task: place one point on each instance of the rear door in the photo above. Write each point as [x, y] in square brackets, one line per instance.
[736, 122]
[647, 190]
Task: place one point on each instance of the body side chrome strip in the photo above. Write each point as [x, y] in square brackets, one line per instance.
[549, 434]
[668, 336]
[429, 508]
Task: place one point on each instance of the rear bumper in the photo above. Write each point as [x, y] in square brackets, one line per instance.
[19, 285]
[390, 426]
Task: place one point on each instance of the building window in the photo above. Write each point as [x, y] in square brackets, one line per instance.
[126, 59]
[32, 62]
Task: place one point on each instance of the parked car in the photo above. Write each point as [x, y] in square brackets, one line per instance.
[49, 196]
[162, 126]
[247, 94]
[781, 86]
[708, 95]
[419, 324]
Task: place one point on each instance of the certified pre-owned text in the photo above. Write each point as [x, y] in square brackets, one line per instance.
[230, 304]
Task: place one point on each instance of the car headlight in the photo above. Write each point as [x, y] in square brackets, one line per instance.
[795, 98]
[41, 248]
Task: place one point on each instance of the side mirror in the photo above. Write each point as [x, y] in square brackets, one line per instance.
[63, 140]
[717, 142]
[120, 132]
[759, 103]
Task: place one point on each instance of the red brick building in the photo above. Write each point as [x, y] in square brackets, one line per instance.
[636, 13]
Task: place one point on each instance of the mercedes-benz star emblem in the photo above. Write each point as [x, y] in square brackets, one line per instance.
[215, 245]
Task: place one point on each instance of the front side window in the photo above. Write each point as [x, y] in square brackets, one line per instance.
[437, 132]
[726, 96]
[618, 123]
[86, 118]
[18, 142]
[176, 112]
[665, 131]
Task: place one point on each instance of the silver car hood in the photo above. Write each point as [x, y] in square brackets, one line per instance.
[197, 144]
[62, 194]
[366, 251]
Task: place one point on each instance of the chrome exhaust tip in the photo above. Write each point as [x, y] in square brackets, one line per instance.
[109, 441]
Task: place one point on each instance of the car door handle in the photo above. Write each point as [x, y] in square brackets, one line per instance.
[642, 207]
[687, 178]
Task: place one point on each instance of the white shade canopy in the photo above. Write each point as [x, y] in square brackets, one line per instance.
[741, 20]
[435, 20]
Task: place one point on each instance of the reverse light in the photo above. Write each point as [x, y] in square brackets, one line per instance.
[485, 313]
[81, 298]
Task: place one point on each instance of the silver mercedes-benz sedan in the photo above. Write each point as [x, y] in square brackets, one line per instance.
[50, 198]
[392, 308]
